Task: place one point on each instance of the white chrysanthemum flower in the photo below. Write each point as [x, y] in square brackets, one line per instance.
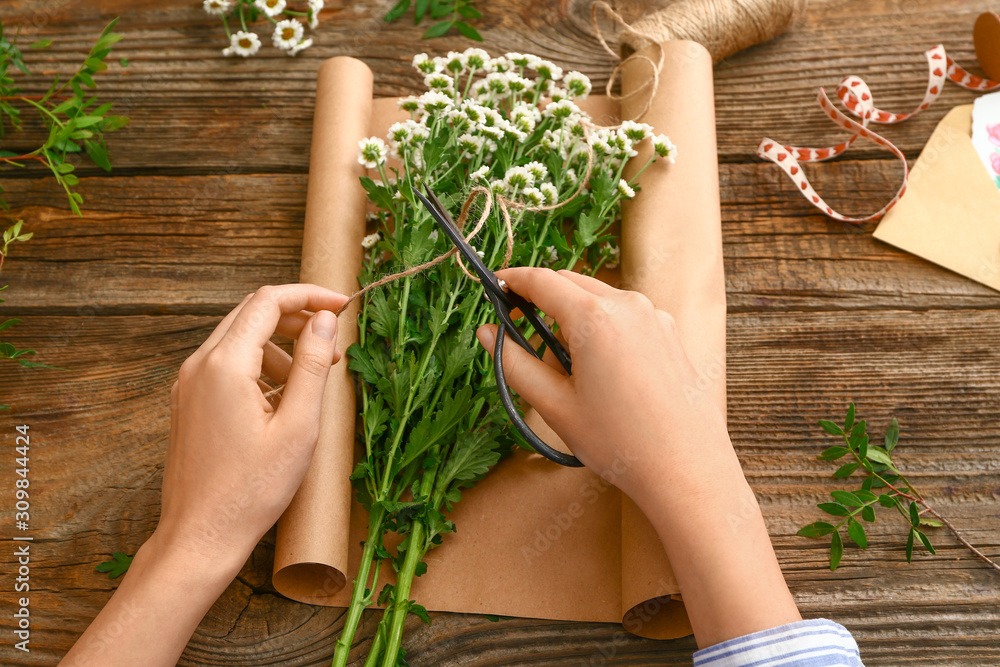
[558, 94]
[480, 174]
[533, 196]
[270, 7]
[315, 7]
[217, 7]
[571, 176]
[577, 85]
[476, 59]
[410, 104]
[301, 46]
[613, 254]
[473, 111]
[370, 240]
[548, 70]
[537, 170]
[665, 148]
[440, 81]
[499, 65]
[636, 132]
[517, 178]
[398, 195]
[518, 59]
[470, 145]
[433, 236]
[498, 186]
[625, 190]
[481, 253]
[491, 117]
[400, 132]
[434, 101]
[455, 63]
[287, 34]
[424, 64]
[493, 132]
[550, 192]
[242, 43]
[553, 253]
[498, 83]
[564, 111]
[371, 152]
[490, 145]
[518, 84]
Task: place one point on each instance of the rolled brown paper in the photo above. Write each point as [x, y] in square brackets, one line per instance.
[986, 37]
[534, 539]
[310, 558]
[672, 252]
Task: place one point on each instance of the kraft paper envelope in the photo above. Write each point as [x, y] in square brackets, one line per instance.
[950, 213]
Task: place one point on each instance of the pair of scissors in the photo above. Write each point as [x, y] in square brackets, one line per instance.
[504, 302]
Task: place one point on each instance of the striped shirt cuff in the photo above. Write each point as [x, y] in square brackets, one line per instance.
[813, 643]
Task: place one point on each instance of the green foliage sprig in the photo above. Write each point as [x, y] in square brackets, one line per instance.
[884, 486]
[76, 123]
[448, 14]
[117, 566]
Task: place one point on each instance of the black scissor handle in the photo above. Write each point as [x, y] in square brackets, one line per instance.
[508, 401]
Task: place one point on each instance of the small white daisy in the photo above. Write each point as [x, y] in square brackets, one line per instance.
[315, 7]
[517, 178]
[476, 59]
[440, 81]
[455, 63]
[533, 196]
[665, 148]
[537, 170]
[242, 44]
[625, 190]
[480, 174]
[571, 176]
[499, 65]
[424, 64]
[470, 145]
[217, 7]
[270, 7]
[301, 46]
[577, 85]
[433, 236]
[614, 254]
[434, 101]
[287, 34]
[553, 253]
[410, 104]
[370, 240]
[550, 192]
[636, 132]
[548, 70]
[371, 152]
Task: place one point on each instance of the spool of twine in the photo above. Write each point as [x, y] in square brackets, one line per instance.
[721, 26]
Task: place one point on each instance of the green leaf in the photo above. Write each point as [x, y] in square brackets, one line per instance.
[866, 496]
[420, 10]
[817, 529]
[836, 551]
[112, 123]
[885, 500]
[64, 168]
[857, 433]
[117, 566]
[892, 435]
[469, 12]
[123, 62]
[909, 547]
[86, 121]
[7, 324]
[857, 533]
[437, 30]
[914, 514]
[832, 453]
[836, 509]
[830, 427]
[847, 498]
[849, 421]
[932, 523]
[879, 455]
[40, 44]
[868, 513]
[397, 11]
[468, 31]
[926, 541]
[846, 470]
[98, 153]
[418, 610]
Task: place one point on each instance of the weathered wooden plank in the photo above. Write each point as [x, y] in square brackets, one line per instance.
[181, 93]
[198, 244]
[99, 431]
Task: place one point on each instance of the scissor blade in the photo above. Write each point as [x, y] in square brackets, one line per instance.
[445, 222]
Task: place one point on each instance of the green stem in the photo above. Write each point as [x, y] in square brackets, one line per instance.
[401, 594]
[360, 597]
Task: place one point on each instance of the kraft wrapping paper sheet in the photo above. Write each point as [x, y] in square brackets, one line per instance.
[534, 539]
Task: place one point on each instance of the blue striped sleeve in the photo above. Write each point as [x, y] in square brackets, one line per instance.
[814, 643]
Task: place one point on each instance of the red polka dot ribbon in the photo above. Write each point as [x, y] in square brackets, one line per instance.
[856, 97]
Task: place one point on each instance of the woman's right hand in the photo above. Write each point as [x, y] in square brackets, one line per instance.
[632, 400]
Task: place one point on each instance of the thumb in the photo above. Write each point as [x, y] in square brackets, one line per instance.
[312, 357]
[537, 382]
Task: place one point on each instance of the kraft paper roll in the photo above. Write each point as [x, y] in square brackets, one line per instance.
[534, 539]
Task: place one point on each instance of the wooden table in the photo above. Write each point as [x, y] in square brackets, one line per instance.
[206, 203]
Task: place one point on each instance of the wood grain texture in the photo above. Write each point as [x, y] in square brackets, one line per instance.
[206, 203]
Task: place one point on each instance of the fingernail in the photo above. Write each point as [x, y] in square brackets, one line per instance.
[486, 337]
[324, 324]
